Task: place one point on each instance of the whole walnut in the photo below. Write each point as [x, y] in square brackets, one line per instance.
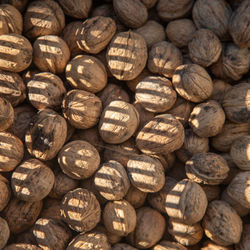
[5, 192]
[165, 245]
[80, 210]
[127, 55]
[81, 108]
[222, 224]
[95, 34]
[43, 17]
[135, 197]
[76, 8]
[16, 52]
[236, 103]
[150, 226]
[164, 58]
[239, 25]
[245, 239]
[180, 32]
[87, 73]
[79, 159]
[10, 19]
[169, 10]
[4, 232]
[46, 90]
[133, 13]
[213, 15]
[192, 82]
[219, 90]
[6, 114]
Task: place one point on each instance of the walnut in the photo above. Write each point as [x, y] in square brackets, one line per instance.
[155, 94]
[212, 191]
[95, 34]
[214, 15]
[219, 90]
[10, 19]
[245, 239]
[111, 180]
[127, 55]
[164, 58]
[178, 171]
[207, 168]
[167, 160]
[6, 114]
[180, 32]
[165, 245]
[236, 103]
[46, 90]
[21, 215]
[76, 8]
[43, 18]
[222, 224]
[5, 192]
[112, 238]
[81, 108]
[79, 159]
[19, 4]
[192, 82]
[163, 134]
[51, 234]
[50, 53]
[51, 209]
[80, 210]
[133, 83]
[239, 26]
[118, 122]
[22, 246]
[146, 173]
[16, 52]
[152, 31]
[135, 197]
[123, 246]
[4, 232]
[209, 245]
[240, 152]
[150, 226]
[169, 10]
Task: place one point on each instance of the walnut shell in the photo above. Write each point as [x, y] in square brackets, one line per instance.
[81, 108]
[214, 15]
[123, 246]
[135, 197]
[51, 54]
[118, 122]
[127, 55]
[46, 90]
[22, 246]
[112, 238]
[212, 191]
[209, 245]
[150, 226]
[163, 134]
[155, 94]
[133, 13]
[76, 8]
[43, 17]
[111, 180]
[51, 209]
[236, 103]
[164, 58]
[4, 232]
[149, 3]
[51, 234]
[165, 245]
[19, 4]
[10, 19]
[95, 34]
[146, 173]
[133, 83]
[87, 73]
[16, 52]
[5, 192]
[219, 90]
[222, 224]
[21, 215]
[79, 159]
[80, 210]
[239, 25]
[180, 32]
[6, 114]
[245, 239]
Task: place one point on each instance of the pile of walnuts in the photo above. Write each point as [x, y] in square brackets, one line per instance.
[124, 124]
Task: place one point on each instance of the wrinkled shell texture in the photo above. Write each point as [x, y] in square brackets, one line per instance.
[5, 192]
[219, 90]
[135, 197]
[6, 114]
[4, 232]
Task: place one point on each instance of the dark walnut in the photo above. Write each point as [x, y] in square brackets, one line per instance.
[95, 34]
[213, 15]
[164, 58]
[6, 114]
[32, 180]
[46, 134]
[43, 18]
[87, 73]
[10, 19]
[5, 192]
[192, 82]
[16, 52]
[207, 168]
[82, 109]
[222, 224]
[132, 13]
[135, 197]
[51, 209]
[22, 246]
[4, 232]
[210, 245]
[212, 191]
[79, 159]
[219, 90]
[245, 238]
[19, 4]
[46, 90]
[127, 55]
[149, 3]
[11, 151]
[51, 53]
[123, 246]
[80, 210]
[165, 245]
[163, 134]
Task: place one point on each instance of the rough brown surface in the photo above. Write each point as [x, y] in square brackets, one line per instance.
[6, 114]
[165, 245]
[4, 232]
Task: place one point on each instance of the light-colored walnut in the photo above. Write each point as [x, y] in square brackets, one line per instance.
[166, 245]
[4, 232]
[6, 114]
[219, 90]
[135, 197]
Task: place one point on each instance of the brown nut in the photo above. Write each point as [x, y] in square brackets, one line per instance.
[6, 114]
[4, 232]
[5, 192]
[219, 90]
[123, 246]
[166, 245]
[210, 245]
[19, 4]
[22, 246]
[135, 197]
[112, 238]
[212, 191]
[245, 239]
